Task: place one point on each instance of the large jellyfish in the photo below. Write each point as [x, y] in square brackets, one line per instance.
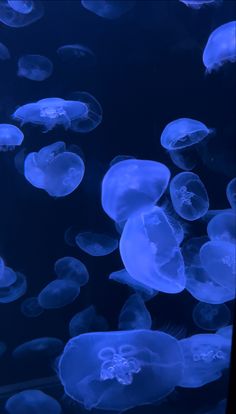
[93, 116]
[231, 193]
[31, 308]
[211, 317]
[58, 293]
[47, 347]
[96, 244]
[20, 13]
[223, 227]
[150, 251]
[120, 370]
[32, 402]
[73, 269]
[54, 169]
[220, 47]
[10, 137]
[198, 4]
[34, 67]
[87, 320]
[134, 314]
[122, 276]
[131, 185]
[109, 9]
[13, 285]
[4, 52]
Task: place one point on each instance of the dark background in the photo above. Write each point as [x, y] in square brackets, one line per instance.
[148, 72]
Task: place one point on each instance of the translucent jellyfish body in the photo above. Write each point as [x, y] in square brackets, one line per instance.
[21, 6]
[134, 314]
[211, 317]
[32, 402]
[58, 293]
[223, 227]
[122, 276]
[7, 275]
[4, 52]
[73, 269]
[34, 67]
[13, 285]
[131, 185]
[108, 9]
[20, 13]
[93, 116]
[150, 252]
[205, 357]
[231, 193]
[87, 320]
[50, 112]
[198, 4]
[96, 244]
[189, 196]
[120, 370]
[31, 308]
[76, 52]
[46, 347]
[10, 137]
[54, 169]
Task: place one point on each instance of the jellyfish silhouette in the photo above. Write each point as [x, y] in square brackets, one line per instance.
[13, 285]
[108, 9]
[21, 6]
[134, 314]
[32, 402]
[58, 293]
[211, 317]
[87, 320]
[10, 137]
[31, 308]
[34, 67]
[4, 52]
[76, 52]
[20, 13]
[222, 227]
[231, 193]
[96, 244]
[93, 116]
[73, 269]
[47, 347]
[198, 4]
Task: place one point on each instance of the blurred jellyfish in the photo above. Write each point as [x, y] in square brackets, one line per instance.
[223, 227]
[226, 332]
[220, 47]
[21, 6]
[122, 276]
[31, 308]
[50, 112]
[34, 67]
[132, 185]
[54, 169]
[70, 268]
[32, 402]
[12, 286]
[76, 52]
[184, 159]
[119, 158]
[211, 317]
[58, 293]
[112, 370]
[93, 116]
[10, 137]
[231, 193]
[134, 314]
[198, 4]
[47, 347]
[87, 320]
[3, 348]
[7, 275]
[4, 52]
[96, 244]
[109, 9]
[150, 251]
[220, 408]
[20, 13]
[189, 196]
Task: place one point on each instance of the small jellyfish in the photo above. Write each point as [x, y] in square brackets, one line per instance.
[220, 47]
[54, 169]
[70, 268]
[92, 118]
[15, 286]
[198, 4]
[96, 244]
[31, 308]
[34, 67]
[189, 196]
[134, 314]
[87, 320]
[211, 317]
[231, 193]
[47, 347]
[108, 9]
[223, 227]
[20, 13]
[10, 137]
[112, 370]
[185, 159]
[4, 52]
[58, 293]
[32, 402]
[76, 52]
[21, 6]
[132, 185]
[122, 276]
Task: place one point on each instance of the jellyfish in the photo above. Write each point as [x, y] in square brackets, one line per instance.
[92, 118]
[87, 320]
[108, 9]
[32, 402]
[34, 67]
[20, 13]
[189, 196]
[4, 52]
[122, 276]
[205, 357]
[47, 347]
[50, 112]
[31, 308]
[10, 137]
[231, 193]
[223, 227]
[150, 252]
[54, 169]
[226, 332]
[13, 287]
[58, 293]
[96, 244]
[211, 317]
[3, 348]
[198, 4]
[132, 185]
[134, 314]
[70, 268]
[185, 159]
[7, 275]
[21, 6]
[76, 52]
[119, 158]
[220, 47]
[120, 370]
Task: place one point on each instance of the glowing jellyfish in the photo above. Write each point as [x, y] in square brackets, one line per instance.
[13, 287]
[2, 348]
[7, 275]
[223, 227]
[134, 314]
[150, 252]
[20, 13]
[96, 244]
[50, 112]
[108, 9]
[122, 276]
[205, 357]
[73, 269]
[54, 169]
[231, 193]
[93, 116]
[119, 158]
[76, 52]
[220, 47]
[21, 6]
[10, 137]
[4, 52]
[211, 317]
[34, 67]
[132, 185]
[198, 4]
[47, 347]
[189, 196]
[120, 370]
[184, 159]
[87, 320]
[32, 402]
[58, 293]
[31, 308]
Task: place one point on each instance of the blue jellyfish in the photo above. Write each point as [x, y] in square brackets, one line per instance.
[96, 244]
[32, 402]
[189, 196]
[3, 348]
[122, 276]
[31, 308]
[119, 158]
[50, 112]
[34, 67]
[223, 227]
[10, 137]
[87, 320]
[131, 185]
[108, 9]
[231, 193]
[198, 4]
[150, 252]
[205, 357]
[7, 275]
[226, 332]
[54, 169]
[211, 317]
[58, 293]
[4, 52]
[13, 285]
[220, 47]
[21, 6]
[47, 347]
[92, 118]
[120, 370]
[134, 314]
[185, 159]
[70, 268]
[20, 13]
[76, 52]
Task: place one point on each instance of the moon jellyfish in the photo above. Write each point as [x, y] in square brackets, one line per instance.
[20, 13]
[211, 317]
[50, 112]
[122, 276]
[150, 252]
[205, 357]
[134, 314]
[119, 158]
[92, 118]
[34, 67]
[96, 244]
[58, 293]
[231, 193]
[54, 169]
[132, 185]
[31, 308]
[7, 275]
[4, 52]
[76, 52]
[32, 402]
[2, 348]
[70, 268]
[109, 9]
[87, 320]
[13, 285]
[189, 196]
[220, 47]
[10, 137]
[120, 370]
[198, 4]
[184, 159]
[21, 6]
[46, 346]
[223, 227]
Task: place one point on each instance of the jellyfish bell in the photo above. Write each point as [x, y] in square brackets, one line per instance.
[30, 307]
[198, 4]
[211, 317]
[122, 276]
[47, 347]
[108, 9]
[32, 402]
[75, 52]
[223, 227]
[20, 13]
[96, 244]
[10, 137]
[16, 287]
[34, 67]
[73, 269]
[92, 117]
[7, 276]
[58, 293]
[134, 314]
[21, 6]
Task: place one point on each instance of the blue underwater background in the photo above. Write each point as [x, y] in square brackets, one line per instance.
[147, 71]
